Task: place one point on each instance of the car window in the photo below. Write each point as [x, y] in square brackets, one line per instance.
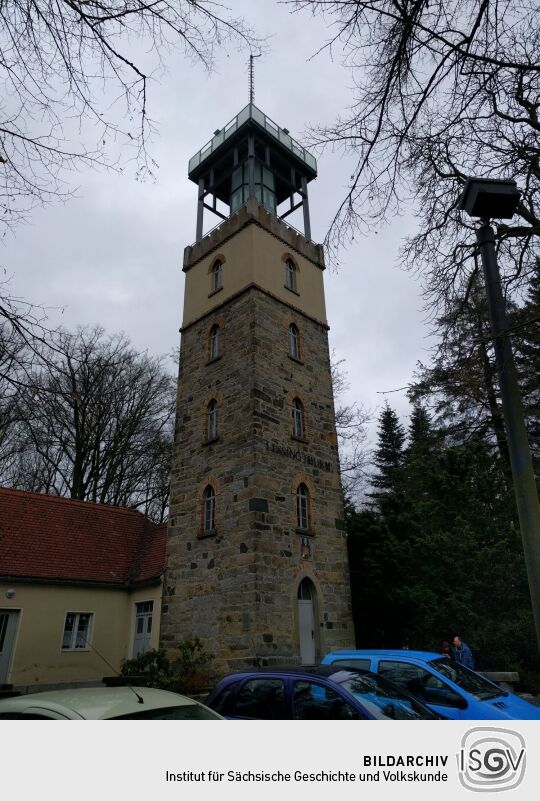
[184, 712]
[421, 683]
[314, 701]
[361, 664]
[262, 699]
[222, 702]
[468, 680]
[383, 700]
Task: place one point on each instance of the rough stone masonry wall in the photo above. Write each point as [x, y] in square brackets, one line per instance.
[285, 462]
[237, 589]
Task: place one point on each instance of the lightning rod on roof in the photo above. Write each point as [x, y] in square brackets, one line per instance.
[252, 77]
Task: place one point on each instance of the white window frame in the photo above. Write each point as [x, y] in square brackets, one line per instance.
[209, 509]
[214, 341]
[290, 274]
[75, 631]
[294, 341]
[217, 278]
[298, 418]
[212, 419]
[137, 615]
[302, 507]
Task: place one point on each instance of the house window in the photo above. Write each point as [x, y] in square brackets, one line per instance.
[290, 275]
[294, 341]
[302, 504]
[298, 418]
[216, 275]
[209, 510]
[214, 342]
[76, 631]
[212, 422]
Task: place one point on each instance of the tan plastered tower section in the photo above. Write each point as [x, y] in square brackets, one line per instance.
[236, 583]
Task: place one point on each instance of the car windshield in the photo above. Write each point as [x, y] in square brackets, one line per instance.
[468, 680]
[184, 712]
[382, 699]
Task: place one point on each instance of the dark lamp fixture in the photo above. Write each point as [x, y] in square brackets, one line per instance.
[489, 197]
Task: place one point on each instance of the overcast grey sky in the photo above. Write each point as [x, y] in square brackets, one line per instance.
[113, 254]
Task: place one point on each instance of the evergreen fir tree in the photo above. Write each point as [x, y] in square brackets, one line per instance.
[460, 386]
[389, 454]
[439, 550]
[444, 556]
[420, 431]
[422, 444]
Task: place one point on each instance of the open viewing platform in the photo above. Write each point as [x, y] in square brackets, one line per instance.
[251, 114]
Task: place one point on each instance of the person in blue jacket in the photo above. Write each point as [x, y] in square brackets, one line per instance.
[462, 653]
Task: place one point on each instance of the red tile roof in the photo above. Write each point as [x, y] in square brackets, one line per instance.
[44, 537]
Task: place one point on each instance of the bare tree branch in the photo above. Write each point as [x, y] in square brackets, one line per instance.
[93, 423]
[442, 90]
[74, 87]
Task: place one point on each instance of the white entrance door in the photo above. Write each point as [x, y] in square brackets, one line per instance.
[306, 622]
[8, 629]
[143, 627]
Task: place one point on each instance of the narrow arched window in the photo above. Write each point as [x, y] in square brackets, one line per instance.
[290, 274]
[217, 274]
[214, 342]
[297, 418]
[212, 422]
[294, 341]
[302, 507]
[209, 510]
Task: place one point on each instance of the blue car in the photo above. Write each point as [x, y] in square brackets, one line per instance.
[447, 687]
[313, 693]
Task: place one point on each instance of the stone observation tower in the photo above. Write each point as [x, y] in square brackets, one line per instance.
[257, 556]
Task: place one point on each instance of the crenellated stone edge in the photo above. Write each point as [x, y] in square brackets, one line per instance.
[252, 213]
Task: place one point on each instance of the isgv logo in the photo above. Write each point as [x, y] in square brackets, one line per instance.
[491, 760]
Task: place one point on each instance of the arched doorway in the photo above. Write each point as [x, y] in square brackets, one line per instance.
[306, 621]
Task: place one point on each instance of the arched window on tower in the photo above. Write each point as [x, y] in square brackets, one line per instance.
[290, 275]
[209, 509]
[217, 269]
[212, 420]
[294, 341]
[302, 507]
[215, 344]
[297, 418]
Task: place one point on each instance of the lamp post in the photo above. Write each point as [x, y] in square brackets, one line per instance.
[485, 199]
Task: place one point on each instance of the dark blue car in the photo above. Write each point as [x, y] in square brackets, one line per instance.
[314, 693]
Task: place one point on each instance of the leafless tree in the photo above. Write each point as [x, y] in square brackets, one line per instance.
[74, 81]
[443, 89]
[74, 87]
[94, 423]
[21, 340]
[351, 422]
[24, 338]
